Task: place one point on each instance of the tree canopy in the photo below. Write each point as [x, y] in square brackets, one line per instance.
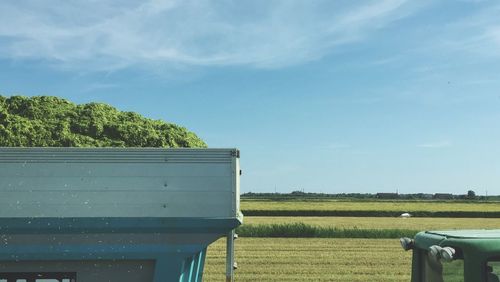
[46, 121]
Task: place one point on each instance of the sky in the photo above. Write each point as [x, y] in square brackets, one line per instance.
[319, 96]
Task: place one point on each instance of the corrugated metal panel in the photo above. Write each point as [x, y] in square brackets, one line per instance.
[116, 204]
[114, 155]
[105, 182]
[65, 208]
[122, 169]
[115, 183]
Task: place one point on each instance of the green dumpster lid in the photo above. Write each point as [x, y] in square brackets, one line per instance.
[469, 234]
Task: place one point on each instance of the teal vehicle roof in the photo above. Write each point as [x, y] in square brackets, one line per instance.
[469, 234]
[485, 242]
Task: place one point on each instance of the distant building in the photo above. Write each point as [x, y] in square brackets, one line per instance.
[425, 196]
[387, 195]
[443, 196]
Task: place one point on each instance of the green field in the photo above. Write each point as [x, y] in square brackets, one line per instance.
[379, 205]
[299, 259]
[414, 223]
[337, 259]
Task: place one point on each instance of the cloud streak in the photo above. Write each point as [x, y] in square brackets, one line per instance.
[477, 35]
[110, 35]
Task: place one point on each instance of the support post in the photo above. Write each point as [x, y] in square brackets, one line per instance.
[230, 256]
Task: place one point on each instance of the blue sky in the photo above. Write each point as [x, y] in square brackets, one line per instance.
[324, 96]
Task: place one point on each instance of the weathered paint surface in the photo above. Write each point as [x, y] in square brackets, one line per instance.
[102, 210]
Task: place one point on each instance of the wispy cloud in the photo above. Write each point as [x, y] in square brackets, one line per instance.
[108, 35]
[476, 34]
[435, 145]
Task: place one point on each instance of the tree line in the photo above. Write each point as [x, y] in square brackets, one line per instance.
[470, 195]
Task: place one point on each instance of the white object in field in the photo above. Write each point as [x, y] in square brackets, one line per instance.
[405, 215]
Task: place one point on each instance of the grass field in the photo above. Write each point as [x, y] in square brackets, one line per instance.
[299, 259]
[382, 222]
[336, 259]
[343, 205]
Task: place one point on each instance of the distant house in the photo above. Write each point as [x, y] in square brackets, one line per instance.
[387, 195]
[443, 196]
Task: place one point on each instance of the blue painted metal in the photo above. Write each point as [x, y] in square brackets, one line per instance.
[174, 262]
[193, 267]
[114, 225]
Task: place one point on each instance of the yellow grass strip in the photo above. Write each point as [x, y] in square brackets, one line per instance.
[407, 206]
[279, 259]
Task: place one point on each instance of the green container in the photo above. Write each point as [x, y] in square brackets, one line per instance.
[455, 255]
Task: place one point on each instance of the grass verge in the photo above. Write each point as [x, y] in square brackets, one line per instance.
[302, 230]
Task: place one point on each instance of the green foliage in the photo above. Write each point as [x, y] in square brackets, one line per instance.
[302, 230]
[471, 194]
[46, 121]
